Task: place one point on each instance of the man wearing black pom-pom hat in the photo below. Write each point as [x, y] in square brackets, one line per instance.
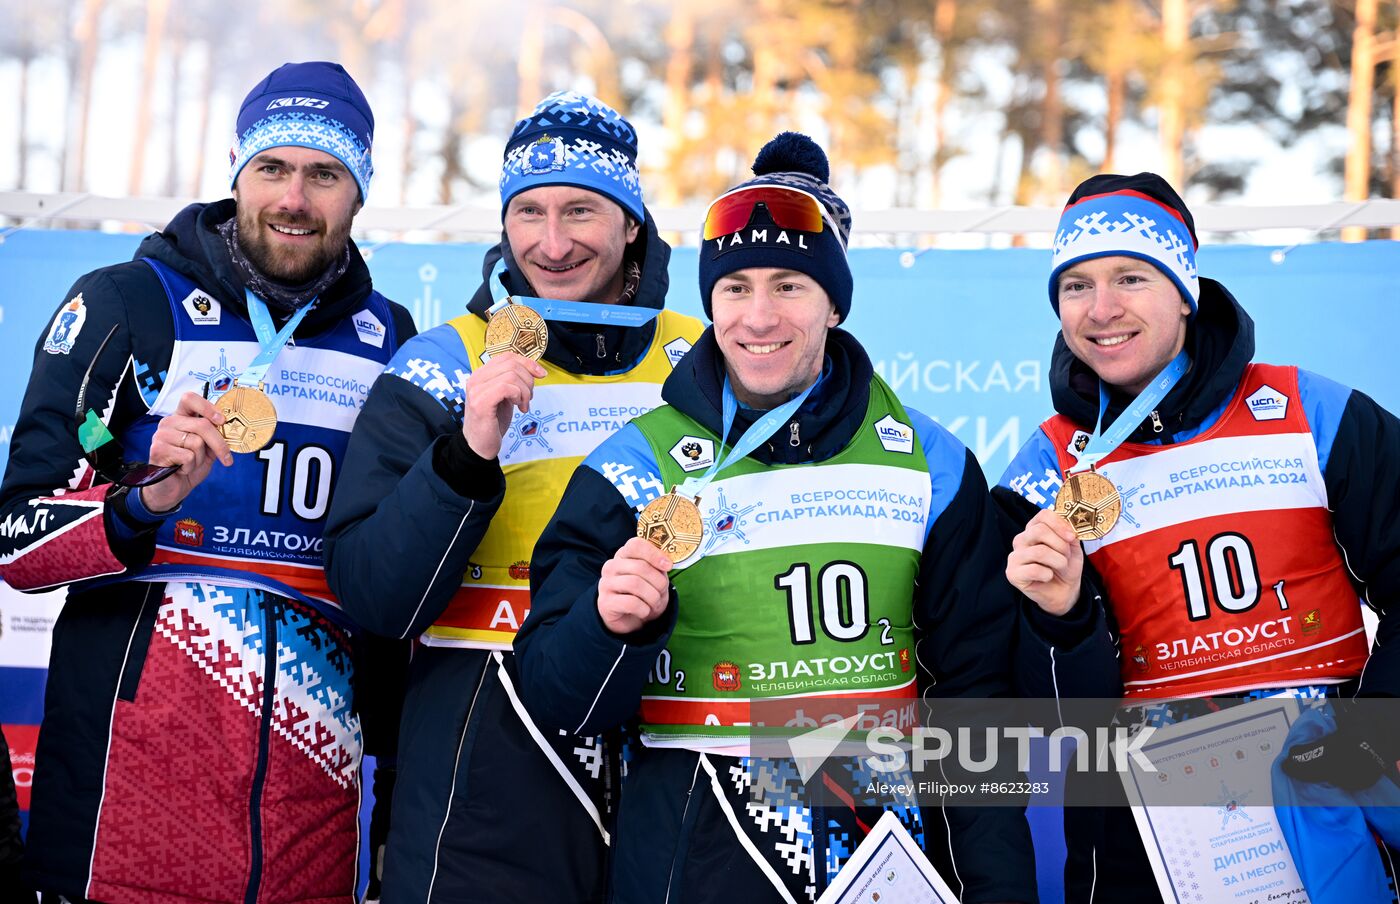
[821, 546]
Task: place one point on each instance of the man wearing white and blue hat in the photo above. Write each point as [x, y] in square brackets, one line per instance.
[313, 111]
[201, 739]
[1260, 502]
[461, 455]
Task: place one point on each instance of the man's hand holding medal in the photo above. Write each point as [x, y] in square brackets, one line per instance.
[634, 588]
[495, 390]
[1047, 562]
[190, 439]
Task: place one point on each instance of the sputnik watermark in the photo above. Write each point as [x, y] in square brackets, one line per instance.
[978, 751]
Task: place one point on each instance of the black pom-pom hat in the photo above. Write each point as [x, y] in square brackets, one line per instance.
[789, 160]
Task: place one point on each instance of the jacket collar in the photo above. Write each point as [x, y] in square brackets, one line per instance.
[825, 423]
[588, 348]
[1220, 343]
[191, 244]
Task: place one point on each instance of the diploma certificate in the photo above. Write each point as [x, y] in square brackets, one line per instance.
[888, 868]
[1227, 847]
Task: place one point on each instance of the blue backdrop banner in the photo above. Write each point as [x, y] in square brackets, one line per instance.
[964, 336]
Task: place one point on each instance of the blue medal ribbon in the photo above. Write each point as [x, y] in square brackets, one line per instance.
[757, 433]
[1101, 445]
[270, 340]
[569, 311]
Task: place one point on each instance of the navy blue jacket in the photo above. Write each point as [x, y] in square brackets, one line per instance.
[412, 491]
[578, 676]
[1362, 475]
[104, 633]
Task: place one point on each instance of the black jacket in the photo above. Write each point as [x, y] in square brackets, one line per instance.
[413, 492]
[45, 448]
[1362, 478]
[104, 634]
[11, 844]
[576, 675]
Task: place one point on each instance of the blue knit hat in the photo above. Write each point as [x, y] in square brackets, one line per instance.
[1128, 216]
[307, 105]
[790, 160]
[574, 139]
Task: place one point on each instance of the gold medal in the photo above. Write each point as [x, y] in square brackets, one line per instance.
[249, 418]
[516, 328]
[673, 524]
[1090, 503]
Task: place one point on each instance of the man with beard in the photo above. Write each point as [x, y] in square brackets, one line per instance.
[452, 487]
[200, 737]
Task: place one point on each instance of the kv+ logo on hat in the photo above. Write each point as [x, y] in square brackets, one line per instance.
[307, 105]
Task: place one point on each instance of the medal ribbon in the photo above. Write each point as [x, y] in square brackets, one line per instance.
[270, 340]
[1101, 445]
[758, 433]
[569, 311]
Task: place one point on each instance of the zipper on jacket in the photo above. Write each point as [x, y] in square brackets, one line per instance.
[602, 346]
[1156, 423]
[794, 440]
[250, 896]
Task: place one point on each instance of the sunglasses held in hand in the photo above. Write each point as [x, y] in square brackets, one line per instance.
[102, 450]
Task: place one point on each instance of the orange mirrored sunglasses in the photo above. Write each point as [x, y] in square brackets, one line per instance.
[789, 208]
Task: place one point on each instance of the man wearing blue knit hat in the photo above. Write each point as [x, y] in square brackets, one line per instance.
[1258, 501]
[464, 448]
[201, 739]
